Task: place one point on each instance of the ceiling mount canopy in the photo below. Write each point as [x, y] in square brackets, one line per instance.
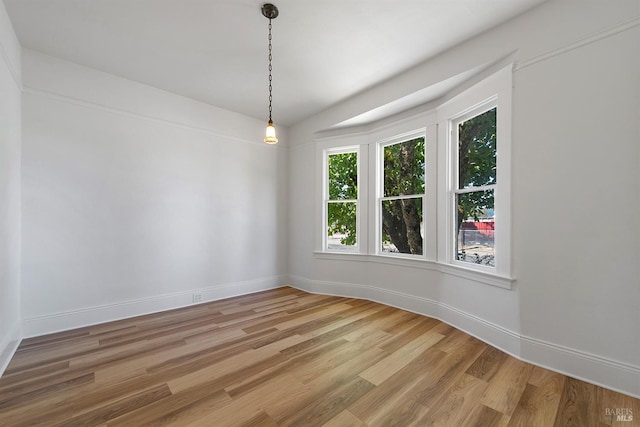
[270, 12]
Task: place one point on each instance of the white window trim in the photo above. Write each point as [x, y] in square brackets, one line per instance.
[325, 197]
[434, 125]
[494, 91]
[380, 146]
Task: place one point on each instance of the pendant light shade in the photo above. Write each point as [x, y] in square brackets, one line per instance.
[270, 12]
[270, 136]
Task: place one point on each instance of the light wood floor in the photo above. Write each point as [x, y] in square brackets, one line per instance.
[285, 357]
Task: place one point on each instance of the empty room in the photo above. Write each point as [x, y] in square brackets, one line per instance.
[340, 213]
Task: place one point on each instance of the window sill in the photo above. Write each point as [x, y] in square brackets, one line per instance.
[453, 270]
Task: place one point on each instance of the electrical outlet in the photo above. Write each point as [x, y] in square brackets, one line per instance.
[197, 296]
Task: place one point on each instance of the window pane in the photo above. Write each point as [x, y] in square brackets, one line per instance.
[404, 168]
[341, 225]
[477, 150]
[475, 228]
[402, 226]
[343, 176]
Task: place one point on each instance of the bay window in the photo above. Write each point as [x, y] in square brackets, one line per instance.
[439, 191]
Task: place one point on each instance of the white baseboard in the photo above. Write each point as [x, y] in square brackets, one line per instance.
[598, 370]
[8, 347]
[57, 322]
[594, 369]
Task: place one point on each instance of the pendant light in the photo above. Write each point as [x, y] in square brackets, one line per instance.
[270, 12]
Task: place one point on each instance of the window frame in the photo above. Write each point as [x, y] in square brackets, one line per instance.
[494, 91]
[326, 200]
[455, 168]
[380, 197]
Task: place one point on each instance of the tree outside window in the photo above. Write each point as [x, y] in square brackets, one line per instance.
[474, 194]
[401, 204]
[342, 201]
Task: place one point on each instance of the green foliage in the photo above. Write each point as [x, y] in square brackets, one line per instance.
[343, 176]
[343, 185]
[477, 148]
[404, 172]
[404, 168]
[475, 205]
[342, 220]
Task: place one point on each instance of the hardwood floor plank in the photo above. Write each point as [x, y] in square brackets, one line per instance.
[612, 405]
[323, 338]
[345, 419]
[535, 398]
[325, 404]
[489, 362]
[507, 386]
[368, 336]
[578, 406]
[310, 315]
[266, 304]
[167, 407]
[483, 416]
[399, 322]
[278, 392]
[32, 360]
[261, 420]
[201, 356]
[52, 381]
[397, 388]
[398, 359]
[193, 412]
[287, 366]
[318, 302]
[35, 374]
[231, 368]
[445, 374]
[452, 407]
[54, 338]
[366, 313]
[120, 407]
[14, 399]
[213, 335]
[286, 357]
[136, 353]
[347, 369]
[421, 327]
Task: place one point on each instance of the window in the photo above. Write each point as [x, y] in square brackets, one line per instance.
[475, 177]
[401, 199]
[474, 139]
[430, 190]
[341, 200]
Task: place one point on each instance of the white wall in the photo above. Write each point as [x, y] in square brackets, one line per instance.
[577, 228]
[575, 200]
[134, 198]
[9, 190]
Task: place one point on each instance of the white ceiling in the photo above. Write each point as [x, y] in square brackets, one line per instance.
[215, 51]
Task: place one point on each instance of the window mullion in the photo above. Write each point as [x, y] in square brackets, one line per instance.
[402, 197]
[341, 200]
[474, 189]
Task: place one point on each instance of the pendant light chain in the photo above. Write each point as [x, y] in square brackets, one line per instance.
[270, 69]
[270, 12]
